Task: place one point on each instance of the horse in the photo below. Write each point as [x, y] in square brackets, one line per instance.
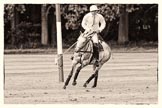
[83, 56]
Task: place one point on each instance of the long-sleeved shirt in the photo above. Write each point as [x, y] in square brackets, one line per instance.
[91, 23]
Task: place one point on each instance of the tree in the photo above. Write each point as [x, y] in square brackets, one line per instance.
[111, 12]
[74, 13]
[143, 23]
[141, 19]
[11, 15]
[44, 34]
[123, 26]
[48, 24]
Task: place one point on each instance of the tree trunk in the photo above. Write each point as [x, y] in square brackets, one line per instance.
[44, 34]
[13, 26]
[123, 27]
[51, 26]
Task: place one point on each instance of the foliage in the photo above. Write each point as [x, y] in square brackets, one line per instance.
[22, 36]
[143, 22]
[9, 10]
[74, 13]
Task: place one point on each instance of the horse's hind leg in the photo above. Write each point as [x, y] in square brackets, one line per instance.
[76, 74]
[96, 78]
[95, 81]
[95, 74]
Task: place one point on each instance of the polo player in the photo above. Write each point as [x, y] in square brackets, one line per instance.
[94, 22]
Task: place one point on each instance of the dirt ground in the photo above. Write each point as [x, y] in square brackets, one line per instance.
[127, 78]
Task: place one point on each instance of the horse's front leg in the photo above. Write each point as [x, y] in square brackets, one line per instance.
[69, 76]
[76, 74]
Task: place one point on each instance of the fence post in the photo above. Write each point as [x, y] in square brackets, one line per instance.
[59, 44]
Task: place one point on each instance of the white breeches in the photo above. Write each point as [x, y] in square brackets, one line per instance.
[95, 38]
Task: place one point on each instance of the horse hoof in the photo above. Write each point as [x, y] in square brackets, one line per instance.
[74, 83]
[72, 57]
[85, 85]
[93, 86]
[64, 87]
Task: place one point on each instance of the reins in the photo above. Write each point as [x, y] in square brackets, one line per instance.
[89, 38]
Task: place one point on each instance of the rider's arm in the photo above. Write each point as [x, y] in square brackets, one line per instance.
[84, 22]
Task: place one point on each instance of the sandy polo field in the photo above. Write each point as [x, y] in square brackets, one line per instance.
[127, 78]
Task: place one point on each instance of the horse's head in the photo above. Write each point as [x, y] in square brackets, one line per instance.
[82, 41]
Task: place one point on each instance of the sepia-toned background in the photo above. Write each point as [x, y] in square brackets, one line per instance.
[31, 76]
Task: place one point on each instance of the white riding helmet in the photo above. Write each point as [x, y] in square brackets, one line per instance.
[93, 8]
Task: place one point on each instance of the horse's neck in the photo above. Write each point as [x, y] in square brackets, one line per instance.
[89, 46]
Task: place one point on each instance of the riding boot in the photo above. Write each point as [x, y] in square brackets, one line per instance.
[96, 53]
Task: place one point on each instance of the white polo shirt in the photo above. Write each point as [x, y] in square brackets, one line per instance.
[91, 23]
